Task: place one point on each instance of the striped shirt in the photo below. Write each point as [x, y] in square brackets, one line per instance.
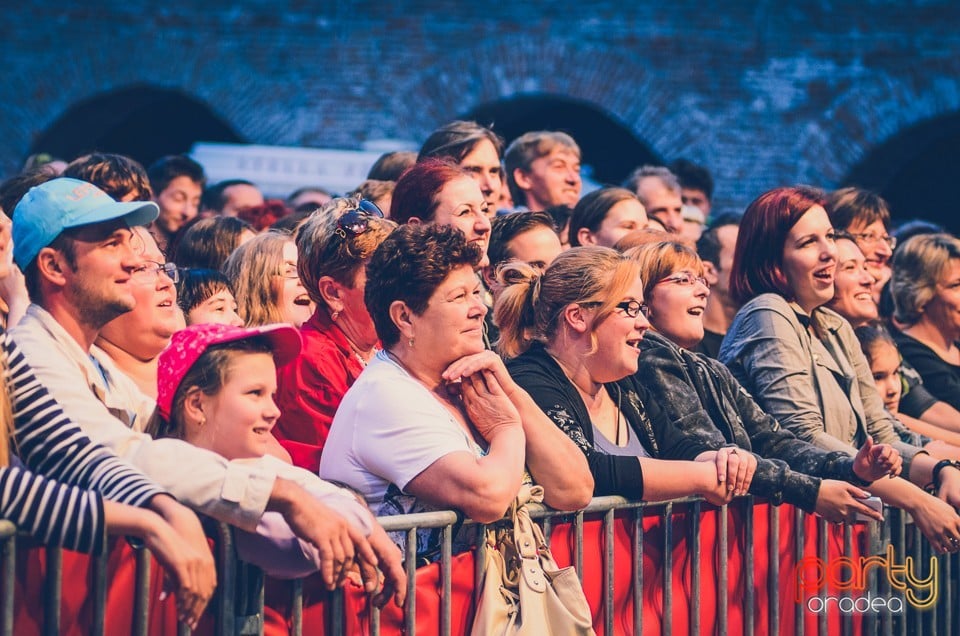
[58, 500]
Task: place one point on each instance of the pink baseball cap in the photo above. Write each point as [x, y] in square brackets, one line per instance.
[187, 345]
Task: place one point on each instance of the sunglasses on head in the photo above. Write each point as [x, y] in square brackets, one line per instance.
[357, 220]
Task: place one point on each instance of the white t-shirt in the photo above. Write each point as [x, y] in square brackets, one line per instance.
[388, 429]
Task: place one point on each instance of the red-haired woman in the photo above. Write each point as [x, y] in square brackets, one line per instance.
[802, 360]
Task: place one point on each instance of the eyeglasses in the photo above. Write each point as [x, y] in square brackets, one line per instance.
[685, 279]
[150, 271]
[870, 238]
[632, 308]
[357, 221]
[289, 272]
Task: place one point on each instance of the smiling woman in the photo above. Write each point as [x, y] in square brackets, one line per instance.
[411, 435]
[573, 334]
[700, 396]
[135, 339]
[802, 360]
[263, 272]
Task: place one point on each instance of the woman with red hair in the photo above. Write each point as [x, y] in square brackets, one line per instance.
[802, 360]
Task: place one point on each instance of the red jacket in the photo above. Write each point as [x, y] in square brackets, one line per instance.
[310, 388]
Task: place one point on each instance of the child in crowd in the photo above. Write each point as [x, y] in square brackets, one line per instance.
[215, 390]
[885, 365]
[206, 296]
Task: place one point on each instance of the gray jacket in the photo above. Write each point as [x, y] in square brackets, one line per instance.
[820, 388]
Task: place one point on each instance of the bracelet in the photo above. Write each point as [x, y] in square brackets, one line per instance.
[940, 465]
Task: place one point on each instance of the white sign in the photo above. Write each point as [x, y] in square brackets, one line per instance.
[279, 170]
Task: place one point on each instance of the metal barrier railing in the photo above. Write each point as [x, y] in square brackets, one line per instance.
[238, 606]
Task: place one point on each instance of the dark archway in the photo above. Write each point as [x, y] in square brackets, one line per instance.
[143, 122]
[609, 147]
[916, 171]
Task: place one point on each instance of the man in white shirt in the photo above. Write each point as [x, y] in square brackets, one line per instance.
[76, 248]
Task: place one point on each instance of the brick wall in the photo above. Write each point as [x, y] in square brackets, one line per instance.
[761, 93]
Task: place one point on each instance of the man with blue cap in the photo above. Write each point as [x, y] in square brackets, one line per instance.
[77, 251]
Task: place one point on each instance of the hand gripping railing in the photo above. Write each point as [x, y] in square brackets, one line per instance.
[682, 552]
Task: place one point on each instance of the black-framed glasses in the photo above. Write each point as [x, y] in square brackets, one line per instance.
[869, 238]
[632, 308]
[685, 279]
[357, 220]
[148, 272]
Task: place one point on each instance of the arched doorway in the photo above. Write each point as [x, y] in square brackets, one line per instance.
[143, 122]
[609, 148]
[916, 171]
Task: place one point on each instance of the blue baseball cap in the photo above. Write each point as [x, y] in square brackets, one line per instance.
[48, 209]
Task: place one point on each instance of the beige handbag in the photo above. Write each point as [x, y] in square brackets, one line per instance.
[523, 589]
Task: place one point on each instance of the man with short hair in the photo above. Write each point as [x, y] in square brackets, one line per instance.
[228, 197]
[716, 247]
[177, 182]
[119, 176]
[78, 252]
[659, 192]
[543, 170]
[696, 185]
[524, 236]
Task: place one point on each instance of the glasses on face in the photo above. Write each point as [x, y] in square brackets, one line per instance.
[870, 238]
[289, 272]
[149, 271]
[632, 308]
[685, 279]
[357, 220]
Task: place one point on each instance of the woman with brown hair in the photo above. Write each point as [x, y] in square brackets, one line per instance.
[434, 421]
[802, 360]
[334, 246]
[700, 395]
[573, 337]
[266, 283]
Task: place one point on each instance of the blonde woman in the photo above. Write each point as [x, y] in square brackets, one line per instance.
[266, 283]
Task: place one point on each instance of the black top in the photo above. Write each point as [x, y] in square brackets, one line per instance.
[541, 376]
[940, 378]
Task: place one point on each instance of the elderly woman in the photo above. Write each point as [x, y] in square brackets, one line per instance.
[263, 272]
[432, 422]
[701, 396]
[573, 334]
[926, 297]
[334, 246]
[802, 361]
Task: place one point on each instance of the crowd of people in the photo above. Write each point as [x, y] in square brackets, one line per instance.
[462, 323]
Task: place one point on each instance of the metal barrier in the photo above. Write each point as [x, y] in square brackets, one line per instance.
[238, 606]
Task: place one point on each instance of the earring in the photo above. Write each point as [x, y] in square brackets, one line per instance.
[410, 342]
[334, 316]
[203, 421]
